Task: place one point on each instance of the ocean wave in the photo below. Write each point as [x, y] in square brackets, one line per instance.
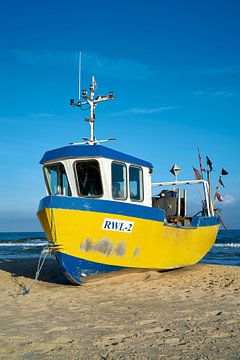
[21, 237]
[228, 245]
[21, 240]
[18, 244]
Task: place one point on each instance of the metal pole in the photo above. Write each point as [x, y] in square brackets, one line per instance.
[92, 104]
[79, 76]
[185, 202]
[179, 203]
[210, 196]
[206, 193]
[91, 120]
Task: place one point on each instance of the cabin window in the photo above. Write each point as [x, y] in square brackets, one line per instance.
[119, 181]
[136, 183]
[89, 178]
[56, 180]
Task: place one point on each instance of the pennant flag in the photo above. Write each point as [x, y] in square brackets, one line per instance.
[209, 163]
[200, 162]
[218, 196]
[220, 181]
[198, 176]
[224, 172]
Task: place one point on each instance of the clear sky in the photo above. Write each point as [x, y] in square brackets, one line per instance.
[173, 65]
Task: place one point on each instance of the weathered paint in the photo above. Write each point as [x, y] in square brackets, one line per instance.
[79, 234]
[120, 249]
[136, 252]
[103, 246]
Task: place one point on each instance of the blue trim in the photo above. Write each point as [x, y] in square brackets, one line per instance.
[74, 151]
[204, 221]
[103, 206]
[73, 267]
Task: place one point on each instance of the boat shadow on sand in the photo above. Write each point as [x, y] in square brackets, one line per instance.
[50, 271]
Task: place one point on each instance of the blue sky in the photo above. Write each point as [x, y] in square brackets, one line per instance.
[173, 65]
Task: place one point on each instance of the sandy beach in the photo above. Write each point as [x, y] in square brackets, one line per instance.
[190, 313]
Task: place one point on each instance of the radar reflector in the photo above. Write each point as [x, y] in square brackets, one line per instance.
[175, 170]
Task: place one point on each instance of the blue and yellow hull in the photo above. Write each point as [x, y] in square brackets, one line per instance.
[92, 235]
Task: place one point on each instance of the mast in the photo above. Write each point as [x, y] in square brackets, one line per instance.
[92, 101]
[79, 75]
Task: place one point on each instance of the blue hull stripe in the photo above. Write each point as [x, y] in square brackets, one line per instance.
[103, 206]
[198, 221]
[76, 269]
[117, 208]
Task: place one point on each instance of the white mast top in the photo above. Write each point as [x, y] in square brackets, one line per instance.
[90, 100]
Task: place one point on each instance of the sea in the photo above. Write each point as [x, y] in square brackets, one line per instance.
[29, 245]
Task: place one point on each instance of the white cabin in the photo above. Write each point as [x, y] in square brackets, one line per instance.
[95, 171]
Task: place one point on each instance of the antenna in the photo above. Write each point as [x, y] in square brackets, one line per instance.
[89, 98]
[79, 75]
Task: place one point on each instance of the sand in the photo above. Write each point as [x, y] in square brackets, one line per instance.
[190, 313]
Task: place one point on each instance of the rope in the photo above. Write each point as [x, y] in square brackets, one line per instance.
[46, 251]
[41, 261]
[42, 257]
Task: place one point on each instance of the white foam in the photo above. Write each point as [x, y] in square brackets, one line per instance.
[228, 245]
[24, 244]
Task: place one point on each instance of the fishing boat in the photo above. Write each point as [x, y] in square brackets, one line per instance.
[100, 214]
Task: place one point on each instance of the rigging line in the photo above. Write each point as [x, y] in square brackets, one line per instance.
[200, 194]
[219, 218]
[201, 170]
[217, 189]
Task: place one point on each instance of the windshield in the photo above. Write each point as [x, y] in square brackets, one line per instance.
[89, 178]
[56, 180]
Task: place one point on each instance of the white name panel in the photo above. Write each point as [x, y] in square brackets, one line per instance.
[117, 225]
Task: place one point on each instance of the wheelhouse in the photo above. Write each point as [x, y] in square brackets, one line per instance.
[97, 172]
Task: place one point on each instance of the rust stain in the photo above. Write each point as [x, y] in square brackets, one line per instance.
[120, 249]
[103, 246]
[87, 245]
[136, 252]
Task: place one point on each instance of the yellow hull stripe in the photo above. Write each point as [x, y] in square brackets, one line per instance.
[151, 244]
